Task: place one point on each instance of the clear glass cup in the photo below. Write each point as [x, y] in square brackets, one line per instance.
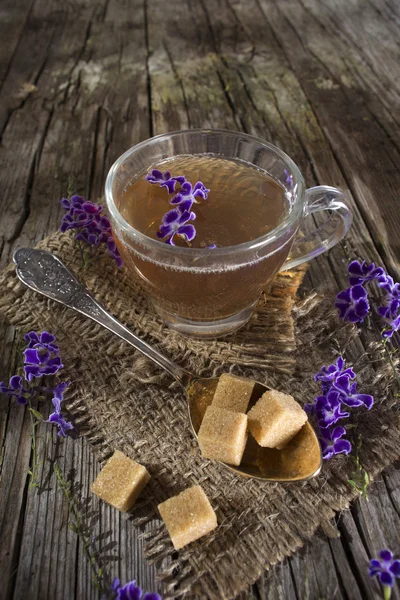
[209, 293]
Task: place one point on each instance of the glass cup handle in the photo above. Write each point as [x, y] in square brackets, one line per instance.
[327, 235]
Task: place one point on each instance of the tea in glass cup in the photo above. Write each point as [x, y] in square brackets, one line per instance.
[206, 218]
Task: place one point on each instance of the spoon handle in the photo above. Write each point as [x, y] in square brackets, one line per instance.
[45, 273]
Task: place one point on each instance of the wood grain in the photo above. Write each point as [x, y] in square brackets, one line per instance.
[80, 82]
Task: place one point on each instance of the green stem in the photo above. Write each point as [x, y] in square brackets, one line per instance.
[91, 557]
[387, 592]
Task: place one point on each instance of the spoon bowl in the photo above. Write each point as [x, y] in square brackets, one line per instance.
[298, 461]
[301, 459]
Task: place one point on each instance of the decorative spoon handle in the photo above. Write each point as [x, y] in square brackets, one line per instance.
[45, 273]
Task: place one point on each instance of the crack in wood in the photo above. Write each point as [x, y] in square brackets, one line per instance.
[148, 76]
[180, 82]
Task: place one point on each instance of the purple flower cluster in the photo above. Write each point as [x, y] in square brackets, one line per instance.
[91, 226]
[386, 568]
[338, 388]
[353, 302]
[41, 357]
[131, 591]
[176, 221]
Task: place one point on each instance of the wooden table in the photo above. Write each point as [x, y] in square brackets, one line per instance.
[82, 81]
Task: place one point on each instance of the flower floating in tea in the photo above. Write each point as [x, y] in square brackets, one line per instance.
[165, 180]
[338, 387]
[353, 303]
[91, 226]
[175, 222]
[188, 193]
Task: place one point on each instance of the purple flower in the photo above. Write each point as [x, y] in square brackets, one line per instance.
[174, 222]
[41, 340]
[56, 417]
[91, 226]
[130, 591]
[114, 252]
[332, 444]
[386, 568]
[328, 409]
[63, 426]
[190, 193]
[41, 355]
[392, 321]
[16, 389]
[390, 309]
[58, 394]
[386, 283]
[39, 361]
[353, 304]
[329, 374]
[157, 176]
[165, 179]
[362, 272]
[348, 393]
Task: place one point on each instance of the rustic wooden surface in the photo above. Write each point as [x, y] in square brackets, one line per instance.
[83, 80]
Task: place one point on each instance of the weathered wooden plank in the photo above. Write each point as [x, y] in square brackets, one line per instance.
[224, 64]
[15, 454]
[362, 156]
[278, 584]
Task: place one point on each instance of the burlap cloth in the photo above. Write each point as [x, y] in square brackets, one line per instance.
[121, 401]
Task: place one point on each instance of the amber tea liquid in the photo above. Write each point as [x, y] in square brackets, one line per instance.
[243, 204]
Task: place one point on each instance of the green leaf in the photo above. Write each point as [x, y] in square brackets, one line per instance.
[353, 484]
[36, 414]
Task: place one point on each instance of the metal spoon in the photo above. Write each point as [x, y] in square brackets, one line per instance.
[301, 459]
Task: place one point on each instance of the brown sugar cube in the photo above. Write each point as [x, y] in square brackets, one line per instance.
[275, 419]
[233, 393]
[223, 435]
[188, 516]
[120, 481]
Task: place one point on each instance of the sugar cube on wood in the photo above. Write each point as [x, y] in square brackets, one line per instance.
[120, 481]
[188, 516]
